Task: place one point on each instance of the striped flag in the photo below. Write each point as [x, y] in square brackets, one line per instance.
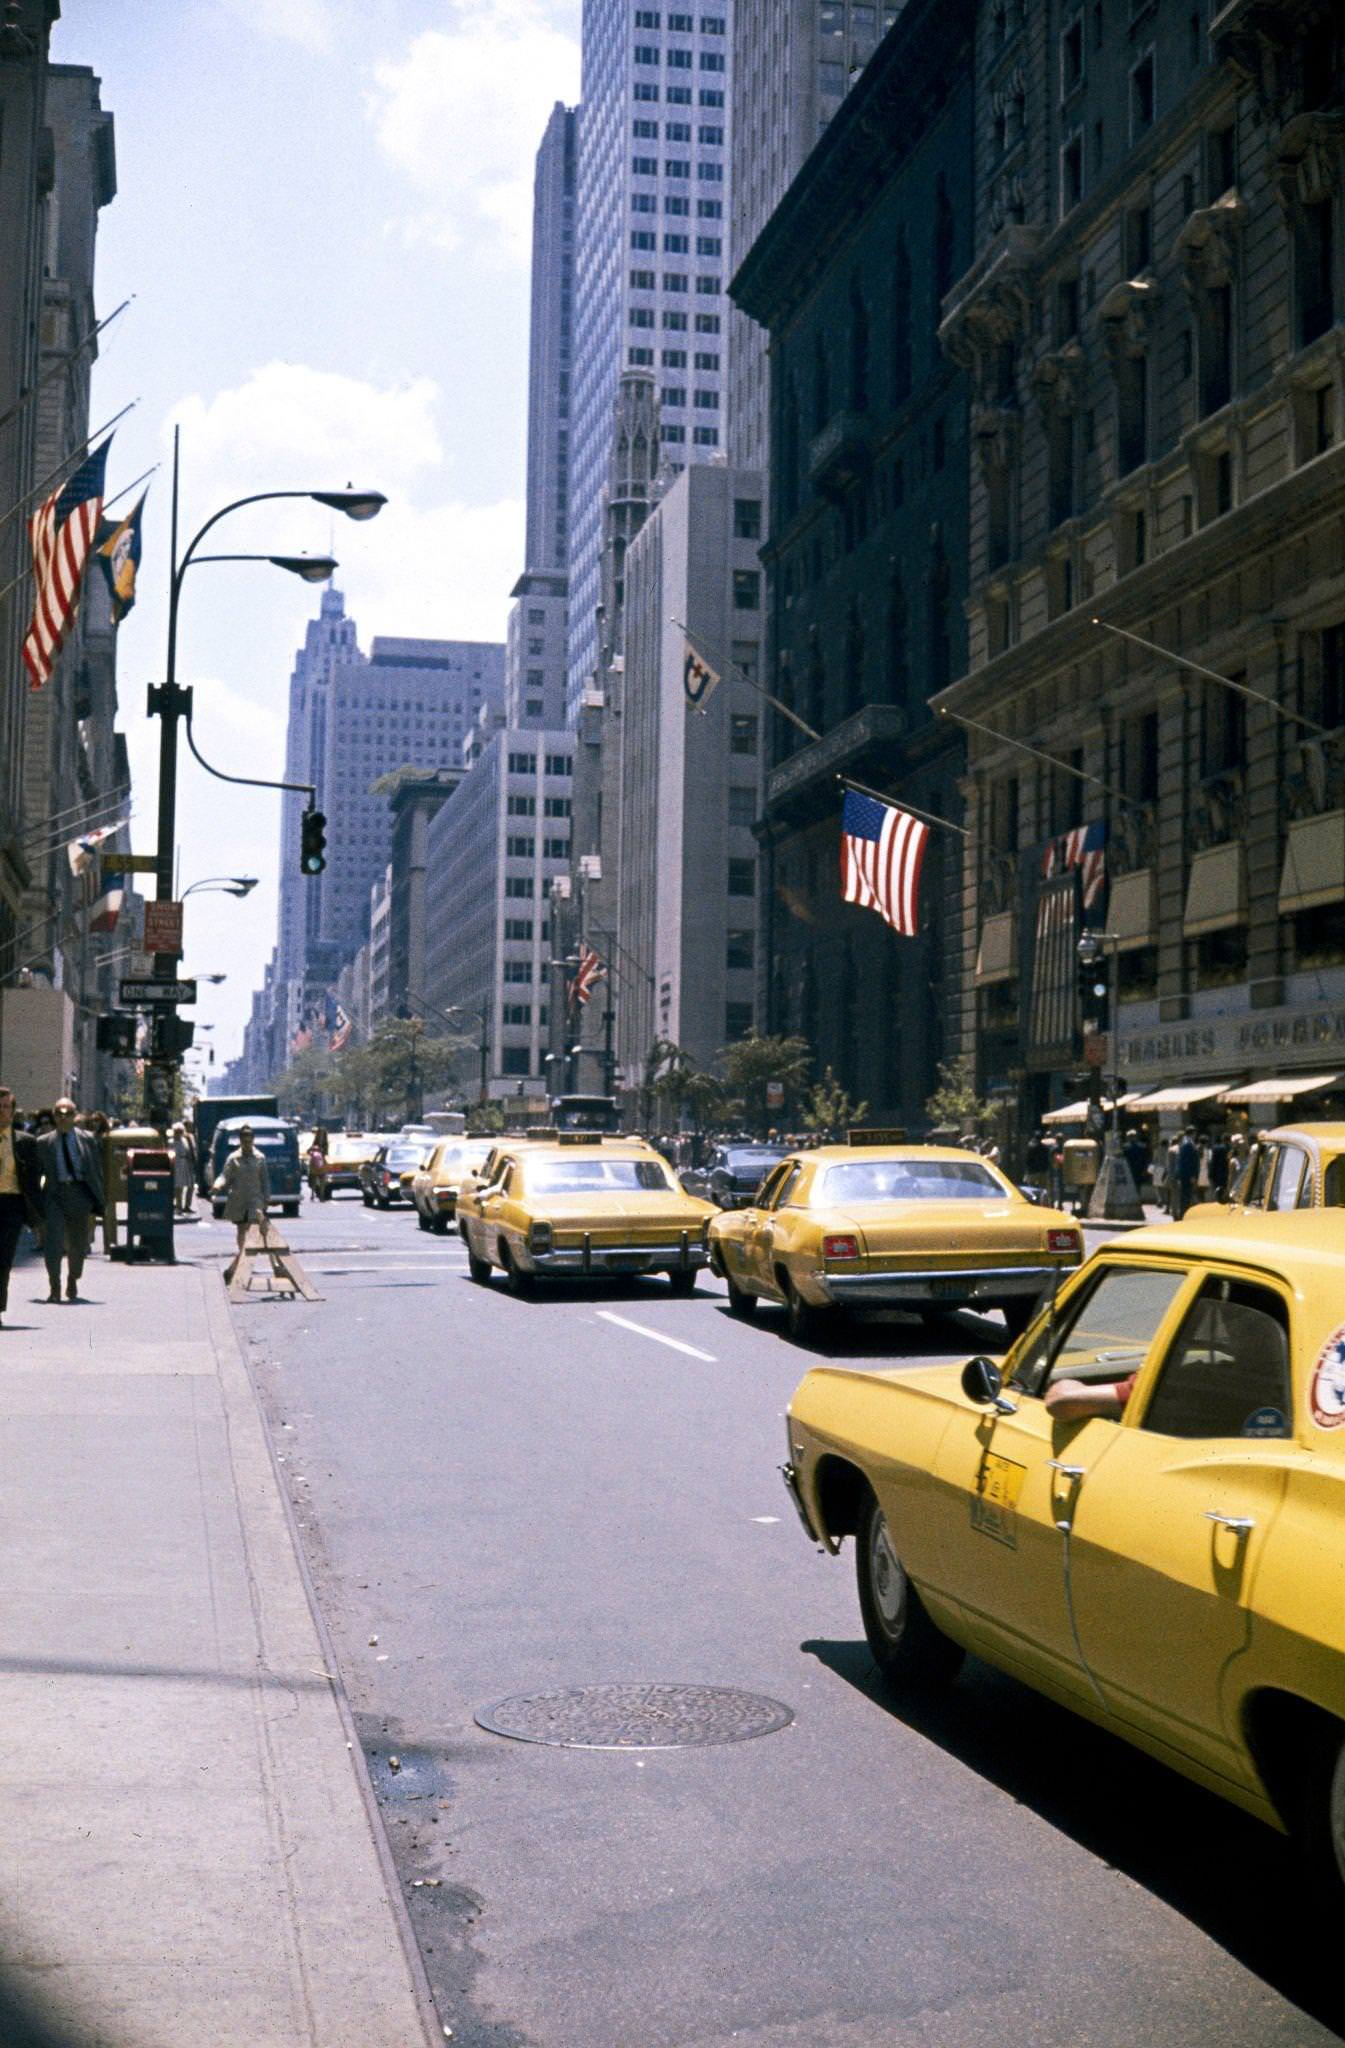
[340, 1029]
[1085, 848]
[62, 532]
[589, 971]
[1054, 970]
[882, 853]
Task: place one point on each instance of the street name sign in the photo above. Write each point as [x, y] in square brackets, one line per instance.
[136, 994]
[163, 927]
[130, 863]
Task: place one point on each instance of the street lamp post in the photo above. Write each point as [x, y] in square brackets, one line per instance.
[170, 703]
[1115, 1198]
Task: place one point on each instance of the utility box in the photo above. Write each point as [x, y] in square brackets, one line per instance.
[1082, 1157]
[37, 1045]
[149, 1206]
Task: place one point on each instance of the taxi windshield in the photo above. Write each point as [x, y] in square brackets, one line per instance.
[402, 1156]
[910, 1180]
[595, 1176]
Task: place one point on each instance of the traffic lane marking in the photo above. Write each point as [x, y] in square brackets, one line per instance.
[674, 1343]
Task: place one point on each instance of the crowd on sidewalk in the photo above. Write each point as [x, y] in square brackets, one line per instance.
[1184, 1167]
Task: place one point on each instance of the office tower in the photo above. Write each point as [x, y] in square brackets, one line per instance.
[329, 643]
[535, 642]
[413, 704]
[793, 63]
[651, 219]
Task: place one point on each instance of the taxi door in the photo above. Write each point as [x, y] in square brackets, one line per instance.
[1170, 1517]
[1007, 1484]
[759, 1228]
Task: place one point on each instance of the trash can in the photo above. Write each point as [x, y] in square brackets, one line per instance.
[149, 1206]
[118, 1146]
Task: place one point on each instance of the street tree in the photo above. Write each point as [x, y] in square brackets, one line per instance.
[749, 1063]
[955, 1103]
[829, 1108]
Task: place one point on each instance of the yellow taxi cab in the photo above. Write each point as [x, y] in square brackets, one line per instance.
[584, 1205]
[1296, 1166]
[480, 1174]
[1139, 1513]
[434, 1186]
[879, 1223]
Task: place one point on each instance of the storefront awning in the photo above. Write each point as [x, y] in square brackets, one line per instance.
[1283, 1088]
[1314, 863]
[1132, 915]
[997, 959]
[1077, 1112]
[1178, 1098]
[1216, 895]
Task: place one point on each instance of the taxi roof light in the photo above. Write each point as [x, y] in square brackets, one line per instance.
[875, 1135]
[580, 1138]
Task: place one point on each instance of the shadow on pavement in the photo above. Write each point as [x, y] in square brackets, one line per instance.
[1244, 1885]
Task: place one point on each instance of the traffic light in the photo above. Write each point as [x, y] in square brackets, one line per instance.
[116, 1034]
[171, 1036]
[1094, 1003]
[313, 843]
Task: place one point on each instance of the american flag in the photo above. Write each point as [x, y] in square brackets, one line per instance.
[882, 852]
[1054, 973]
[62, 532]
[589, 971]
[1085, 848]
[340, 1027]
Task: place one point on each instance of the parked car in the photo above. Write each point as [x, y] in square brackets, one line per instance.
[1295, 1166]
[278, 1144]
[1157, 1548]
[434, 1188]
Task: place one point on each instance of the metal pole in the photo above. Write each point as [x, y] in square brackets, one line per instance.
[162, 1068]
[484, 1093]
[1113, 1046]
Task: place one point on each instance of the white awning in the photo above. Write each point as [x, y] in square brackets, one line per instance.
[1178, 1098]
[1077, 1112]
[1283, 1088]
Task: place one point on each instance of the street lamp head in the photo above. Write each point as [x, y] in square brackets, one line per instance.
[241, 885]
[311, 568]
[1089, 949]
[355, 504]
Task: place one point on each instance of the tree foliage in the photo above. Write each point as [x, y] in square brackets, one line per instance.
[955, 1101]
[829, 1108]
[371, 1084]
[749, 1063]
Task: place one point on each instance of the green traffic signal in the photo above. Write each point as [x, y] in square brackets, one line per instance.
[313, 843]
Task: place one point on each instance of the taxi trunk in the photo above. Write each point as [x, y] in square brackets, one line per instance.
[958, 1234]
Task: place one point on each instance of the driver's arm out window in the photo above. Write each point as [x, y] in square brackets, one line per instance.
[1107, 1329]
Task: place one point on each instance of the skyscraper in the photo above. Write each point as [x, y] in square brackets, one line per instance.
[329, 643]
[535, 646]
[650, 257]
[793, 63]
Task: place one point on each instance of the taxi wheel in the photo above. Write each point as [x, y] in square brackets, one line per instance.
[422, 1219]
[439, 1225]
[906, 1646]
[742, 1305]
[478, 1269]
[367, 1199]
[682, 1283]
[805, 1322]
[518, 1281]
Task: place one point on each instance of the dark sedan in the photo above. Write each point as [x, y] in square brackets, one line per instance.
[381, 1182]
[733, 1173]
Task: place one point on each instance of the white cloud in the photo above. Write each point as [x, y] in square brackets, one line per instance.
[306, 22]
[462, 114]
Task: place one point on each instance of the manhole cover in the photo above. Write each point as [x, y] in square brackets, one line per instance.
[635, 1716]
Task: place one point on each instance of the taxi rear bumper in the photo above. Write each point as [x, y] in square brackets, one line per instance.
[683, 1254]
[895, 1290]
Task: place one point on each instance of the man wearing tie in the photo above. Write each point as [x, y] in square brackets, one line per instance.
[72, 1195]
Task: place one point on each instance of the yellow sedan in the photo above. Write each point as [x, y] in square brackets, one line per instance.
[883, 1225]
[1297, 1166]
[585, 1206]
[1139, 1514]
[434, 1187]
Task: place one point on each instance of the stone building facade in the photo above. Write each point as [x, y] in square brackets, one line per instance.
[1152, 321]
[865, 561]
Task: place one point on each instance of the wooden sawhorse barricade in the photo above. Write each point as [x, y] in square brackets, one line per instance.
[286, 1275]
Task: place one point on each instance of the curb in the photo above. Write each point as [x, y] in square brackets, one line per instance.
[224, 1335]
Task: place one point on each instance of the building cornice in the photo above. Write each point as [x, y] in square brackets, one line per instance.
[905, 86]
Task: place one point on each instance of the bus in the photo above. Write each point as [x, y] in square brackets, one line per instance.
[585, 1113]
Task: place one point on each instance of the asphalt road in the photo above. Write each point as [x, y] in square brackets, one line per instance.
[502, 1497]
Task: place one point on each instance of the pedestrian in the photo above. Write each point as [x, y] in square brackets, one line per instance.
[1203, 1170]
[20, 1189]
[1137, 1159]
[1173, 1145]
[1035, 1157]
[1219, 1163]
[247, 1185]
[1186, 1167]
[72, 1195]
[184, 1169]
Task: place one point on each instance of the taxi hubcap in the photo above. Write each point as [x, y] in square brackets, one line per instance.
[889, 1580]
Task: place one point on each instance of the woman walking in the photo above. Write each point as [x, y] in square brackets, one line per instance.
[247, 1186]
[184, 1169]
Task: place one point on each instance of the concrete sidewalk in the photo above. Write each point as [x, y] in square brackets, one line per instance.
[187, 1849]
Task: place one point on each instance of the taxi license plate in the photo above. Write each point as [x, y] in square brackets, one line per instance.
[625, 1262]
[949, 1290]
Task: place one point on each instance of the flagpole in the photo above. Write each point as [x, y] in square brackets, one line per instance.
[927, 817]
[731, 667]
[1198, 669]
[1040, 754]
[107, 501]
[69, 456]
[63, 363]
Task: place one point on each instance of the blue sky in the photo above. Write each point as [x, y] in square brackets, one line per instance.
[323, 212]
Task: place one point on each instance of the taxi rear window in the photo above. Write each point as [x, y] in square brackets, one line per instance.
[597, 1176]
[911, 1180]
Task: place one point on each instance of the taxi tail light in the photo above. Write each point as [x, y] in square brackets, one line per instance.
[840, 1247]
[1062, 1241]
[539, 1237]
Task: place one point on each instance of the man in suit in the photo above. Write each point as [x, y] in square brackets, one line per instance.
[20, 1185]
[72, 1195]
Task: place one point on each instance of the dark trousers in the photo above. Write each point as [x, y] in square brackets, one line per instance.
[68, 1222]
[13, 1216]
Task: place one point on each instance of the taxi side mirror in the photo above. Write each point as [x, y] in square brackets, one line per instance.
[982, 1382]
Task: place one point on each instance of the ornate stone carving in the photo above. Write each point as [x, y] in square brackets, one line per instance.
[996, 431]
[1207, 243]
[1311, 155]
[1126, 314]
[1265, 42]
[990, 309]
[1315, 776]
[1057, 380]
[1218, 811]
